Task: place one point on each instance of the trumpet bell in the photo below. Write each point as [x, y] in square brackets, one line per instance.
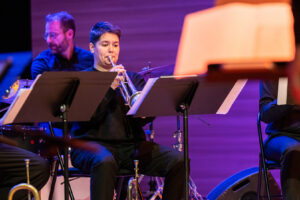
[127, 88]
[24, 186]
[133, 98]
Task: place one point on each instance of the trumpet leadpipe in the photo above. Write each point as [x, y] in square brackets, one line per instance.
[128, 90]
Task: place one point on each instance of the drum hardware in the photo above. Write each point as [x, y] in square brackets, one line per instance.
[127, 88]
[25, 186]
[47, 144]
[11, 92]
[194, 195]
[147, 68]
[159, 183]
[150, 134]
[27, 137]
[178, 135]
[156, 184]
[154, 72]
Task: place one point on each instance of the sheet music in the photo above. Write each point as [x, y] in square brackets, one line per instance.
[17, 104]
[232, 95]
[142, 96]
[162, 96]
[282, 91]
[284, 95]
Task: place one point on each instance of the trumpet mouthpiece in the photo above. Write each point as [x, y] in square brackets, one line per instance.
[111, 61]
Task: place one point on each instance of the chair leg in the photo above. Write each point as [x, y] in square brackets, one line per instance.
[263, 169]
[53, 181]
[59, 162]
[259, 178]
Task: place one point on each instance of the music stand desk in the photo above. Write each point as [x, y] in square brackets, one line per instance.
[40, 103]
[168, 96]
[60, 96]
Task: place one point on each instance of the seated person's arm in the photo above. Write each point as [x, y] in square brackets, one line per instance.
[270, 111]
[38, 66]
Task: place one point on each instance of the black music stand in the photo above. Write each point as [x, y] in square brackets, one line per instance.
[168, 96]
[60, 96]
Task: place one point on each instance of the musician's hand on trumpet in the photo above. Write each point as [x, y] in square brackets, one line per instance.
[127, 88]
[120, 77]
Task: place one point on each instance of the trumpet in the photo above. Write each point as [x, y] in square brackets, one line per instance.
[134, 182]
[25, 186]
[128, 90]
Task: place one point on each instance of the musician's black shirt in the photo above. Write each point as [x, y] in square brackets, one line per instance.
[296, 12]
[281, 119]
[47, 61]
[109, 124]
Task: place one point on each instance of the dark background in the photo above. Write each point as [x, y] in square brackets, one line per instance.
[15, 23]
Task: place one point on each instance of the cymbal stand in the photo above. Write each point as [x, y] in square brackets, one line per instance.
[193, 194]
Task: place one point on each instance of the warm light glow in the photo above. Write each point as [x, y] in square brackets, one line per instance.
[242, 35]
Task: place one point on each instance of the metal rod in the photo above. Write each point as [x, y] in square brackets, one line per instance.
[27, 175]
[186, 151]
[262, 153]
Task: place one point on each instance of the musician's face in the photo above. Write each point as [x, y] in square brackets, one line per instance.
[107, 45]
[55, 37]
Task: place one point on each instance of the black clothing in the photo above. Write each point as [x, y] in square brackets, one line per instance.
[120, 140]
[283, 143]
[47, 61]
[13, 171]
[280, 118]
[296, 13]
[154, 160]
[109, 124]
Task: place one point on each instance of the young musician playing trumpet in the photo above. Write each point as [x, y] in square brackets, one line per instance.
[121, 138]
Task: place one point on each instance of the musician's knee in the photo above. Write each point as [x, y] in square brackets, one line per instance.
[107, 165]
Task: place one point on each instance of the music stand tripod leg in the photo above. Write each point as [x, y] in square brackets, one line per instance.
[184, 108]
[59, 162]
[179, 147]
[65, 151]
[63, 113]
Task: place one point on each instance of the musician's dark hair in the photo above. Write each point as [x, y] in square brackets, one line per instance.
[103, 27]
[66, 20]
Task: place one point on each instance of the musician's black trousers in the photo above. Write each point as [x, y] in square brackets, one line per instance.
[286, 151]
[154, 160]
[13, 171]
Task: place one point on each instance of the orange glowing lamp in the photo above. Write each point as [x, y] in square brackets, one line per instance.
[238, 36]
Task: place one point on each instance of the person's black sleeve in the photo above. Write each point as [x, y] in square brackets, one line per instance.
[270, 111]
[38, 66]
